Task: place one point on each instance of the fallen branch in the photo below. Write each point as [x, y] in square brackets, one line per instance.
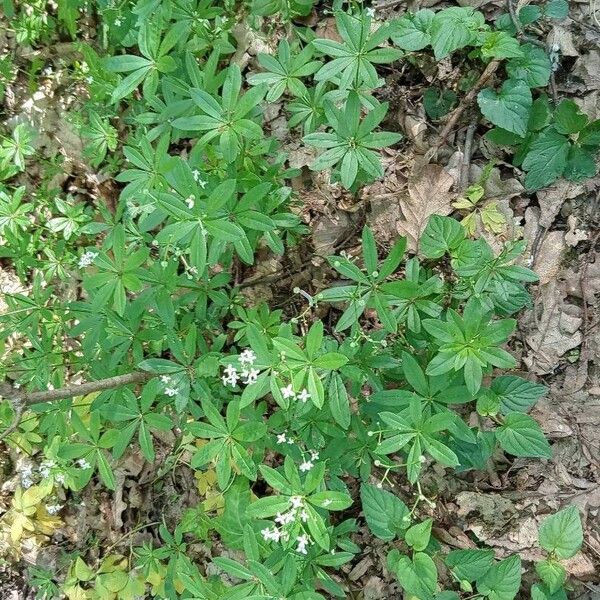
[19, 399]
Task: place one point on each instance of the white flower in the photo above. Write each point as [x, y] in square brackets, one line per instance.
[231, 377]
[306, 466]
[46, 466]
[370, 12]
[118, 22]
[60, 478]
[248, 357]
[83, 464]
[165, 379]
[53, 508]
[304, 516]
[302, 543]
[281, 439]
[290, 440]
[190, 202]
[271, 534]
[170, 391]
[422, 459]
[288, 392]
[251, 376]
[198, 179]
[26, 473]
[87, 259]
[314, 455]
[303, 396]
[296, 502]
[285, 518]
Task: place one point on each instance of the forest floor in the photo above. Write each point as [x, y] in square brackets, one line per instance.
[557, 342]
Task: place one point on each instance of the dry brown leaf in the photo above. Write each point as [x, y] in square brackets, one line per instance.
[428, 194]
[549, 256]
[553, 329]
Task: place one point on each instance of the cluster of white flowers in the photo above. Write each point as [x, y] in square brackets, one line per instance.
[169, 390]
[53, 508]
[307, 465]
[288, 393]
[190, 201]
[248, 374]
[295, 515]
[198, 178]
[87, 258]
[48, 468]
[27, 476]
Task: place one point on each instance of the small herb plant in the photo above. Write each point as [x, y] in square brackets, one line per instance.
[293, 426]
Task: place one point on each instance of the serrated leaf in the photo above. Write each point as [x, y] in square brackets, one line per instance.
[521, 435]
[411, 31]
[508, 109]
[441, 235]
[533, 67]
[383, 511]
[453, 28]
[552, 573]
[568, 118]
[562, 533]
[516, 394]
[546, 160]
[470, 565]
[502, 580]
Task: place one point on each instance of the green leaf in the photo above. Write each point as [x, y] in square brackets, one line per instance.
[339, 403]
[552, 573]
[470, 565]
[581, 164]
[441, 235]
[561, 534]
[267, 507]
[417, 536]
[546, 160]
[533, 67]
[331, 500]
[385, 513]
[568, 118]
[521, 435]
[418, 576]
[510, 108]
[411, 31]
[516, 394]
[454, 28]
[502, 580]
[499, 44]
[556, 9]
[330, 361]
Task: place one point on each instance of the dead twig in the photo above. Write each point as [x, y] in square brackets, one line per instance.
[19, 399]
[463, 178]
[464, 104]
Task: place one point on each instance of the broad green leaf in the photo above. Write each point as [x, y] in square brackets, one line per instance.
[411, 31]
[552, 573]
[417, 536]
[568, 118]
[453, 28]
[508, 109]
[470, 565]
[516, 394]
[561, 534]
[521, 435]
[546, 160]
[502, 580]
[534, 67]
[441, 235]
[385, 513]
